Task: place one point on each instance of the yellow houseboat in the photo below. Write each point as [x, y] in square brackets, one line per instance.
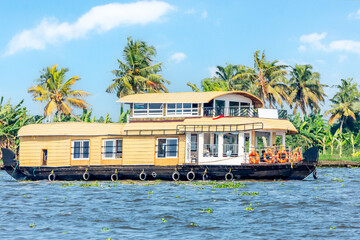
[191, 135]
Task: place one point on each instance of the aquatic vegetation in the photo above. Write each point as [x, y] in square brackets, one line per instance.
[332, 228]
[90, 184]
[32, 225]
[208, 210]
[249, 193]
[192, 224]
[105, 229]
[249, 208]
[164, 220]
[150, 192]
[215, 184]
[337, 180]
[70, 184]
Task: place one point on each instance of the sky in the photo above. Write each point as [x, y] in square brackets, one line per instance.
[191, 39]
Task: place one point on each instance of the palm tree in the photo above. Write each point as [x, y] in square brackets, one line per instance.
[306, 90]
[226, 79]
[268, 79]
[346, 102]
[137, 74]
[57, 93]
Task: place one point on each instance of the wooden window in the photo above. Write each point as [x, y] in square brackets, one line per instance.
[80, 149]
[112, 149]
[167, 148]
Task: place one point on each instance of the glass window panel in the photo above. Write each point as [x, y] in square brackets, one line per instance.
[179, 105]
[187, 105]
[86, 149]
[234, 104]
[171, 106]
[161, 148]
[140, 106]
[76, 149]
[195, 105]
[155, 106]
[172, 147]
[109, 146]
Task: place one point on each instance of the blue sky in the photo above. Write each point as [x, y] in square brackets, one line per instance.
[191, 38]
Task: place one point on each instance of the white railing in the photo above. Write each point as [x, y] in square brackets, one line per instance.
[210, 150]
[231, 150]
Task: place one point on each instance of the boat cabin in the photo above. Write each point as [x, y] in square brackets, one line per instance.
[219, 128]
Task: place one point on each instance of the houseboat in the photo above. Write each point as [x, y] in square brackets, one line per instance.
[174, 136]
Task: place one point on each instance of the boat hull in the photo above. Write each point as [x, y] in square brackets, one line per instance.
[266, 171]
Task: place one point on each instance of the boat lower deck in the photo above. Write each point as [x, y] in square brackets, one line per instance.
[285, 171]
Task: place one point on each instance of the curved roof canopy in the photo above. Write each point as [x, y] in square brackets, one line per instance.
[185, 97]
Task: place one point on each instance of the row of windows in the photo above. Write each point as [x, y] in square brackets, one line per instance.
[113, 148]
[172, 109]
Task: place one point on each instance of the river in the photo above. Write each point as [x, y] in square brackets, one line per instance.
[326, 208]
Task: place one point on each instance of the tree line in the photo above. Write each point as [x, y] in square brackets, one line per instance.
[277, 85]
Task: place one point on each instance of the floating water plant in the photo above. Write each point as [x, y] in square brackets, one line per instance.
[332, 228]
[150, 192]
[208, 210]
[337, 180]
[67, 184]
[249, 208]
[32, 225]
[192, 224]
[105, 229]
[164, 220]
[249, 193]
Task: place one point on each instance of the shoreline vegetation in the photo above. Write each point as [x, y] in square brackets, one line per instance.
[335, 131]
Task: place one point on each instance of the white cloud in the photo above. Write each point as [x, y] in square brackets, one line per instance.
[342, 58]
[354, 15]
[204, 14]
[212, 71]
[345, 45]
[99, 19]
[314, 41]
[178, 57]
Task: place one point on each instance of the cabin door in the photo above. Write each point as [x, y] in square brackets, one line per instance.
[194, 147]
[219, 107]
[44, 157]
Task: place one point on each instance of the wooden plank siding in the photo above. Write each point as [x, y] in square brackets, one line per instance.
[137, 150]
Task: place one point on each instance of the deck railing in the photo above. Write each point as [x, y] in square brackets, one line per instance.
[210, 150]
[230, 150]
[238, 112]
[276, 151]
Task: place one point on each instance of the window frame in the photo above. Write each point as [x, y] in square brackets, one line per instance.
[166, 151]
[114, 147]
[81, 153]
[180, 111]
[147, 111]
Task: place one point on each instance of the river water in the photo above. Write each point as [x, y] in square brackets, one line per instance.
[326, 208]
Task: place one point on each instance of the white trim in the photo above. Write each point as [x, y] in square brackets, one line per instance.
[114, 148]
[166, 156]
[81, 150]
[148, 110]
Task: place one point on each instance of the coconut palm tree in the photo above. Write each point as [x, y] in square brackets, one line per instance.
[57, 93]
[268, 78]
[306, 90]
[345, 102]
[226, 79]
[137, 74]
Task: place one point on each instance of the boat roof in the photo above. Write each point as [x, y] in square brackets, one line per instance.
[150, 128]
[71, 129]
[185, 97]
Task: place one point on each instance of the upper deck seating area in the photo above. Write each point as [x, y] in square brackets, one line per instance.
[199, 104]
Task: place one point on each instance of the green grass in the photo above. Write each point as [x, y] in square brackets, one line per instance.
[337, 158]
